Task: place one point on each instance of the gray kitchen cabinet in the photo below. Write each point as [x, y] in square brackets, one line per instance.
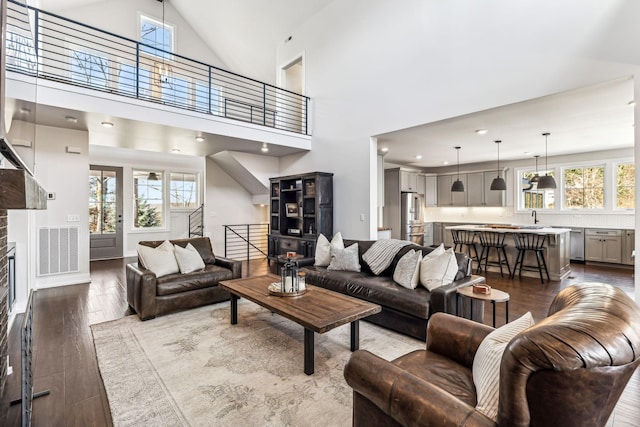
[628, 246]
[408, 181]
[431, 191]
[602, 245]
[448, 198]
[420, 184]
[479, 192]
[428, 234]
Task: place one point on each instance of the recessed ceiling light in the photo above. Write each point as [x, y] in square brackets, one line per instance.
[107, 124]
[199, 138]
[264, 148]
[481, 131]
[418, 157]
[24, 110]
[71, 119]
[445, 163]
[631, 103]
[175, 150]
[384, 149]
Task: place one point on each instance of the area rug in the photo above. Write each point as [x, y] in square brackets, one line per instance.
[194, 368]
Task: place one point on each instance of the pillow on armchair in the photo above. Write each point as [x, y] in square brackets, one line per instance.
[188, 259]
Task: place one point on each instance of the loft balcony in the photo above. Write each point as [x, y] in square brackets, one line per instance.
[47, 46]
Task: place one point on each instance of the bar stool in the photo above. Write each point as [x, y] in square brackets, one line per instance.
[494, 240]
[534, 243]
[466, 238]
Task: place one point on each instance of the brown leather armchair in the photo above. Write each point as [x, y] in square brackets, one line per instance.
[567, 370]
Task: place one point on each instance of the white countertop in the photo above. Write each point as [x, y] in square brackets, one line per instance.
[510, 228]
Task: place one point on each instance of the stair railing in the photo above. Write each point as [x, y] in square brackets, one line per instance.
[245, 242]
[196, 222]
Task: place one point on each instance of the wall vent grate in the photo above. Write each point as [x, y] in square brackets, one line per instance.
[58, 250]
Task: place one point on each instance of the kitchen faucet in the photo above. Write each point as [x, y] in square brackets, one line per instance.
[534, 214]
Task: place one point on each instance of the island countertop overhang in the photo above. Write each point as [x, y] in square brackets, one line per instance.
[505, 228]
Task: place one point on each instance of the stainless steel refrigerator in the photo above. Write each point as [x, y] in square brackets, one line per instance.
[412, 217]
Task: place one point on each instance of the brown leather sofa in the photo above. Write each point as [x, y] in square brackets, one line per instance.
[567, 370]
[150, 296]
[403, 310]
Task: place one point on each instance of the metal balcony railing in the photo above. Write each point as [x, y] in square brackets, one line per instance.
[244, 242]
[196, 222]
[52, 47]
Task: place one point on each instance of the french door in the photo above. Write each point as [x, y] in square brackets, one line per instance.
[105, 212]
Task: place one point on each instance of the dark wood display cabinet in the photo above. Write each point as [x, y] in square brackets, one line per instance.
[301, 207]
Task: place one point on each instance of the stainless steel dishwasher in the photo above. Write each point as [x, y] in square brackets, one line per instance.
[577, 244]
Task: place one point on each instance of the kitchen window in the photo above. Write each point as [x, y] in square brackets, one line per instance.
[583, 187]
[532, 197]
[625, 186]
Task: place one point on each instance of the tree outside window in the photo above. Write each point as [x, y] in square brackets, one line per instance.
[148, 198]
[184, 190]
[584, 187]
[102, 202]
[89, 69]
[625, 186]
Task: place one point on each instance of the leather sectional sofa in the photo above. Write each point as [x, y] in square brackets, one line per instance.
[403, 310]
[150, 296]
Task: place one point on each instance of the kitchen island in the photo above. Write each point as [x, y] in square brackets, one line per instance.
[557, 246]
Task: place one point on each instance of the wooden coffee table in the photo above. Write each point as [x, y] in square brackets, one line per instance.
[318, 310]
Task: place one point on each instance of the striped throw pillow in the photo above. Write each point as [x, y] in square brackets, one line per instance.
[486, 364]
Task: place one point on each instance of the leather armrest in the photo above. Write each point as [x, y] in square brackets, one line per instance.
[233, 265]
[306, 261]
[406, 398]
[141, 291]
[443, 299]
[455, 338]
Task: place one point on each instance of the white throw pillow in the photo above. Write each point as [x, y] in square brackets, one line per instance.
[486, 363]
[438, 270]
[345, 259]
[434, 253]
[323, 249]
[160, 260]
[407, 272]
[188, 258]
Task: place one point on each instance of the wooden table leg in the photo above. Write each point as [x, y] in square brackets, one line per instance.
[308, 351]
[234, 309]
[355, 335]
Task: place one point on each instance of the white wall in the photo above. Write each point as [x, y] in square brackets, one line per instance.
[228, 203]
[384, 67]
[176, 224]
[65, 175]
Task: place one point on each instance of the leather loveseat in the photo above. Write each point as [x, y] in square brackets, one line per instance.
[150, 296]
[567, 370]
[403, 310]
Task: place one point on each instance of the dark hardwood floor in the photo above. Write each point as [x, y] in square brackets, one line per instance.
[65, 360]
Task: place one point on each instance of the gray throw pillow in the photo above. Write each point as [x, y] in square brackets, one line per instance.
[345, 259]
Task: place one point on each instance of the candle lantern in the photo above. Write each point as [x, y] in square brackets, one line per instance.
[289, 277]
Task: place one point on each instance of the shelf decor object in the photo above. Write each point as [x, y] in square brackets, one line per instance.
[498, 183]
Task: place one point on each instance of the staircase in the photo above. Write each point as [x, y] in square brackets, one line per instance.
[196, 222]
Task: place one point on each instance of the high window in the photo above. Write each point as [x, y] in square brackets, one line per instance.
[207, 100]
[183, 190]
[156, 37]
[148, 199]
[625, 186]
[20, 50]
[584, 187]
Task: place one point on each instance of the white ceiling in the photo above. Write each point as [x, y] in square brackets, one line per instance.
[589, 119]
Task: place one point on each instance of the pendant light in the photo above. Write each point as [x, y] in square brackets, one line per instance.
[536, 177]
[458, 186]
[498, 182]
[546, 181]
[152, 176]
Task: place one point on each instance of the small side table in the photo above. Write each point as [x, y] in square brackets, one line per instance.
[494, 296]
